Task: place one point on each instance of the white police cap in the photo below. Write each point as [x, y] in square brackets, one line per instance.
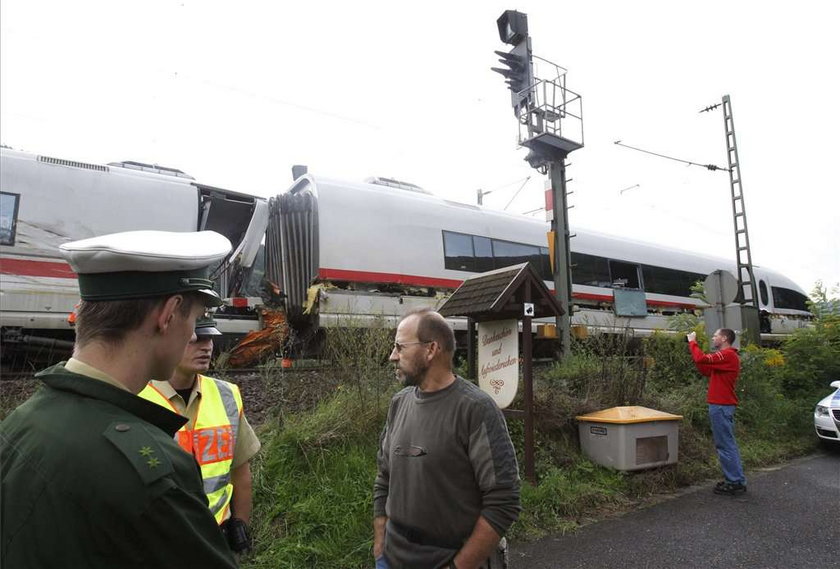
[144, 264]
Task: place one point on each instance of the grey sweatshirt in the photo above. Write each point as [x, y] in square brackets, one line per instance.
[445, 458]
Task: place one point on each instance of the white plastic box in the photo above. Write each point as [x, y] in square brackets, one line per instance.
[630, 438]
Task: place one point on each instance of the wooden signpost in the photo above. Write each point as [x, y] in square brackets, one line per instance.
[496, 302]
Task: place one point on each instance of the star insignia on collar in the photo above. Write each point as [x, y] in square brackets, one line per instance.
[147, 451]
[153, 462]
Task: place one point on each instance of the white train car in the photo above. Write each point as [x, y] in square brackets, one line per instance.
[47, 201]
[374, 249]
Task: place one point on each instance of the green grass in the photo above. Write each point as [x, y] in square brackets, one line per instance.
[565, 497]
[316, 507]
[313, 484]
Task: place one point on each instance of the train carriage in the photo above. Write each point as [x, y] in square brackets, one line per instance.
[47, 201]
[374, 248]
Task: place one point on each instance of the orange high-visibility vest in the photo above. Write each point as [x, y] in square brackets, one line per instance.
[212, 438]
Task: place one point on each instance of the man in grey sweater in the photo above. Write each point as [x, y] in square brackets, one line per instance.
[447, 487]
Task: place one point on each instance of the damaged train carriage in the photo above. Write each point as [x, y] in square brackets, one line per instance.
[47, 201]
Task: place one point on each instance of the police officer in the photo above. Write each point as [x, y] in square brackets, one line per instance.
[218, 433]
[91, 476]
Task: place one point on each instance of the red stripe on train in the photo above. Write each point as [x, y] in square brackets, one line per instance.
[395, 278]
[609, 298]
[386, 278]
[53, 269]
[28, 268]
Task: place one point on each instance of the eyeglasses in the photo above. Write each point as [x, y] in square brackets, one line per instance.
[398, 346]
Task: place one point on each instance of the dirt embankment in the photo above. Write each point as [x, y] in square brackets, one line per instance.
[263, 393]
[269, 393]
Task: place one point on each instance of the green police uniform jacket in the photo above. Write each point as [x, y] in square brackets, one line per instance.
[91, 477]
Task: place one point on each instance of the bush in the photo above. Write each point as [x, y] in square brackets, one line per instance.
[598, 373]
[669, 362]
[812, 357]
[360, 355]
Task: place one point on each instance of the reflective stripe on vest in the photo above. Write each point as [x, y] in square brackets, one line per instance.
[212, 440]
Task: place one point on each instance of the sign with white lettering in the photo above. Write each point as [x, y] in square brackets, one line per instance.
[498, 360]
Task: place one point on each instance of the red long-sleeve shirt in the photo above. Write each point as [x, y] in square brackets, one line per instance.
[722, 369]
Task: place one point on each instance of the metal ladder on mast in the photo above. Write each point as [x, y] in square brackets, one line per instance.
[746, 277]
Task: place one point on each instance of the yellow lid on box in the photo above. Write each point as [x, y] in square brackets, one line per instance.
[625, 415]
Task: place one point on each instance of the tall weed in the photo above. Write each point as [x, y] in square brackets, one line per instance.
[812, 357]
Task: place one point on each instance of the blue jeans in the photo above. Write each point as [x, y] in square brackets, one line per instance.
[382, 563]
[722, 418]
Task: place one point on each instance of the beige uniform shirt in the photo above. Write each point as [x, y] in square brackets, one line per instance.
[247, 443]
[82, 368]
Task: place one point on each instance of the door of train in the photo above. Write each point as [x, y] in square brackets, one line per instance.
[242, 219]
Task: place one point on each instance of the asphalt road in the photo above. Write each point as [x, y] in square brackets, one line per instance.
[789, 518]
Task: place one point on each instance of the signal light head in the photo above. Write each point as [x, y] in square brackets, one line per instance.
[513, 30]
[513, 26]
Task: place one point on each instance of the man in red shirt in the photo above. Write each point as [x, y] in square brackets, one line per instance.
[722, 368]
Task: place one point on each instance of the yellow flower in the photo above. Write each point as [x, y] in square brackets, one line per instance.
[774, 358]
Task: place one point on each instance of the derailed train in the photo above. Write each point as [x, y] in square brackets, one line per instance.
[46, 201]
[335, 253]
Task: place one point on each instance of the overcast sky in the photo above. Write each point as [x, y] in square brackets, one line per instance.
[235, 93]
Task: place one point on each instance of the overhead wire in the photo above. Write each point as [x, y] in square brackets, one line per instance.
[711, 167]
[517, 193]
[497, 188]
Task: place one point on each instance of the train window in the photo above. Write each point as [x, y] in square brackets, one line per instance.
[762, 291]
[256, 275]
[483, 249]
[590, 270]
[669, 281]
[791, 299]
[624, 275]
[8, 217]
[507, 254]
[477, 254]
[458, 251]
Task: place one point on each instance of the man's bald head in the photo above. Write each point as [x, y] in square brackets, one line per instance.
[432, 327]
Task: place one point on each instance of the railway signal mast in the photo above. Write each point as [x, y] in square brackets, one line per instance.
[550, 119]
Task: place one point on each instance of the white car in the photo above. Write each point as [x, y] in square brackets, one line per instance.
[827, 416]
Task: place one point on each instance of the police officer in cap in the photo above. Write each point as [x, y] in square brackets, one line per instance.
[91, 475]
[218, 434]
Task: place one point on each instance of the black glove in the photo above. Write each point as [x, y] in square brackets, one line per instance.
[237, 534]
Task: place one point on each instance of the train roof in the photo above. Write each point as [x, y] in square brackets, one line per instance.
[124, 168]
